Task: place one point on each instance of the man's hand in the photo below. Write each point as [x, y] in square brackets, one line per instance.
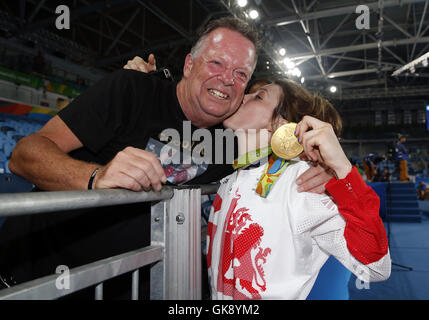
[138, 64]
[314, 179]
[132, 169]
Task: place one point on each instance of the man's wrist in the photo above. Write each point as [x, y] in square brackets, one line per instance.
[91, 182]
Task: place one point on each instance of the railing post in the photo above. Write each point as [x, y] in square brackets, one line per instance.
[177, 223]
[157, 272]
[99, 291]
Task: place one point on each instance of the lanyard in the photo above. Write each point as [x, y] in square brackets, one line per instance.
[251, 157]
[276, 166]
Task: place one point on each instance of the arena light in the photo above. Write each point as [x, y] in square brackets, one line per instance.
[289, 63]
[253, 14]
[242, 3]
[412, 65]
[282, 51]
[296, 72]
[333, 89]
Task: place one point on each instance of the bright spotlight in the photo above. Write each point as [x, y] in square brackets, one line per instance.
[282, 51]
[296, 72]
[253, 14]
[302, 80]
[333, 89]
[289, 63]
[242, 3]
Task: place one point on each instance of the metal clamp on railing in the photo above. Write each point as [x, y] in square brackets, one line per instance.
[175, 247]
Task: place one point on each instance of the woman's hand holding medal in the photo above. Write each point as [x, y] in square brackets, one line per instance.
[321, 145]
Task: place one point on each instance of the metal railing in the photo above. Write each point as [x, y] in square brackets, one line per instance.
[174, 253]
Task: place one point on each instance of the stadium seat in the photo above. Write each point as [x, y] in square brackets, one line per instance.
[7, 149]
[5, 129]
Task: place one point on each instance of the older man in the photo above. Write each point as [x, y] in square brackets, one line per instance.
[99, 140]
[215, 76]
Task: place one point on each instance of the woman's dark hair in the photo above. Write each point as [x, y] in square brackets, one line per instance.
[296, 102]
[254, 85]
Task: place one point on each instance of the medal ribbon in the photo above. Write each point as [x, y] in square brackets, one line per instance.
[251, 157]
[274, 169]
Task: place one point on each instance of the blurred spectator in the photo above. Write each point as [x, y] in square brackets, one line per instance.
[420, 164]
[423, 191]
[369, 166]
[382, 175]
[401, 156]
[358, 167]
[61, 103]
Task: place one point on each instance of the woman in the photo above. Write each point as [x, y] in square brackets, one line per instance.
[272, 245]
[266, 239]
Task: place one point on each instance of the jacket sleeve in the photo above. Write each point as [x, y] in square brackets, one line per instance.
[359, 205]
[364, 233]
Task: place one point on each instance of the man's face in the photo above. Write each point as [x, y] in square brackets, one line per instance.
[217, 77]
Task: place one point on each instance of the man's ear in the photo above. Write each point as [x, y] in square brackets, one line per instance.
[188, 66]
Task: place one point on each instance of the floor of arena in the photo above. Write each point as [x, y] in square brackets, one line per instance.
[409, 246]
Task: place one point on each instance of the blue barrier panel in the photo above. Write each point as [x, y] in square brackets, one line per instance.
[10, 183]
[380, 189]
[332, 282]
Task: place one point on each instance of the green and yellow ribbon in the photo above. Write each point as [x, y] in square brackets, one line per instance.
[276, 166]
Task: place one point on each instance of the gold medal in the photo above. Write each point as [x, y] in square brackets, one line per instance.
[284, 143]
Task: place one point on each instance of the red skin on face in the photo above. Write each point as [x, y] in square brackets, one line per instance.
[223, 65]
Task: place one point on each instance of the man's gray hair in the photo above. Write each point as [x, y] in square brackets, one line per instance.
[230, 23]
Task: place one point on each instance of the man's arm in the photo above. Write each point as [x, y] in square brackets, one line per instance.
[42, 159]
